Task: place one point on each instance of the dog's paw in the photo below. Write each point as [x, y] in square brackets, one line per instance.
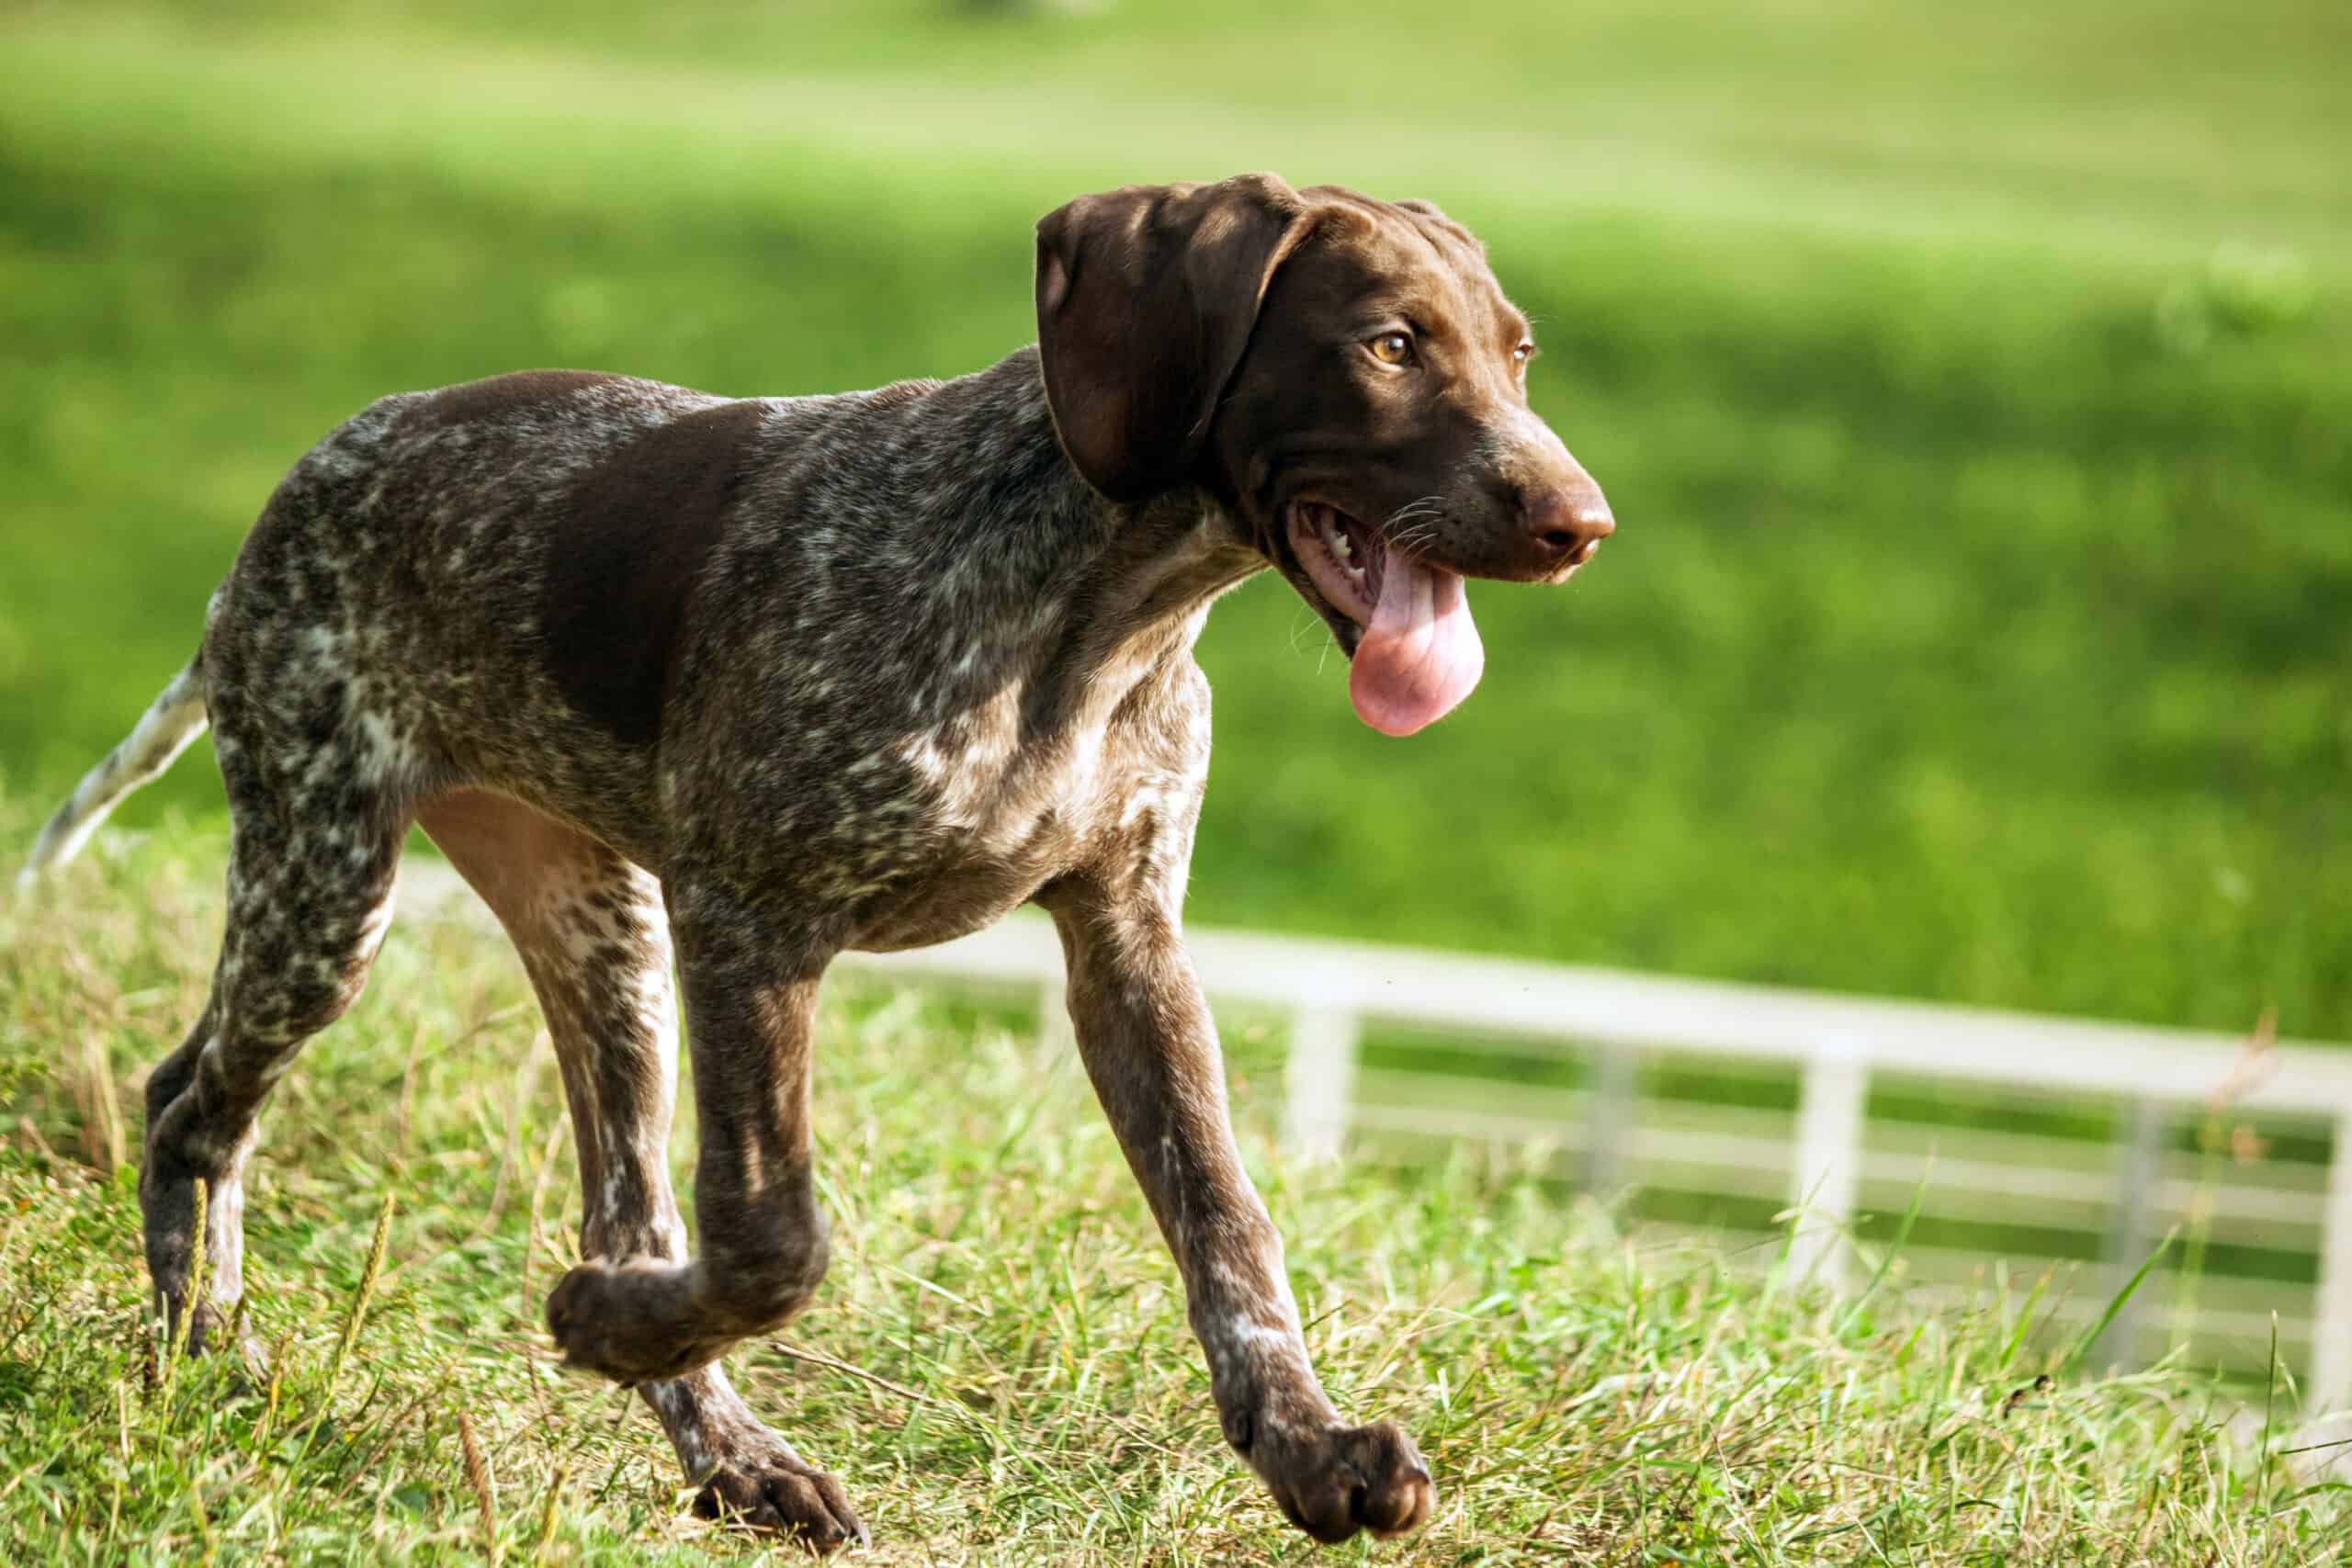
[765, 1486]
[1335, 1481]
[632, 1322]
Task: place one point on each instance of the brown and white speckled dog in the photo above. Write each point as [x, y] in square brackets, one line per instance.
[778, 677]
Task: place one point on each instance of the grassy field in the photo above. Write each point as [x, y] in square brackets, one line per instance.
[1975, 402]
[998, 1368]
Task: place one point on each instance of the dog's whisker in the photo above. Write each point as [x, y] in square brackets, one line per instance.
[1412, 528]
[1415, 539]
[1297, 626]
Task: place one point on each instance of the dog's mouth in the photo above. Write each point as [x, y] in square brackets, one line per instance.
[1403, 621]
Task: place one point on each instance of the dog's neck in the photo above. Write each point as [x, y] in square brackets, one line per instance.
[1115, 589]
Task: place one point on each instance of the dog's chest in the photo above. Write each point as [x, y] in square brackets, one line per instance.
[993, 810]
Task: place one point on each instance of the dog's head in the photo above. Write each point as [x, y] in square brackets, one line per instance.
[1345, 375]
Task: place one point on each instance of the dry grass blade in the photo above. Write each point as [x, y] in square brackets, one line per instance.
[478, 1478]
[358, 1313]
[547, 1508]
[99, 1106]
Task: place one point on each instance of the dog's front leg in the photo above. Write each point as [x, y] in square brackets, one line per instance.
[1151, 1049]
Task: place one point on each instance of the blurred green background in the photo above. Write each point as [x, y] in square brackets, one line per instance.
[1973, 385]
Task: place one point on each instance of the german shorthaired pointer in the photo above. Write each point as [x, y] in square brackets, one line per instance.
[778, 677]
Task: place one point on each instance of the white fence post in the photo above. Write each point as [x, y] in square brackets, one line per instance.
[2331, 1385]
[1828, 1169]
[2139, 1173]
[1319, 1081]
[1609, 1120]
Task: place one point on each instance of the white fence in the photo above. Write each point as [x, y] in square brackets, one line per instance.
[1827, 1159]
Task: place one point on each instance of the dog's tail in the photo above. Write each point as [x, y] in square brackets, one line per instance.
[173, 720]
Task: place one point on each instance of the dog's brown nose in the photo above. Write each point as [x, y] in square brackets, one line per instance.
[1566, 522]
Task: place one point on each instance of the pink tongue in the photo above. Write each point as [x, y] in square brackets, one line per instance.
[1420, 656]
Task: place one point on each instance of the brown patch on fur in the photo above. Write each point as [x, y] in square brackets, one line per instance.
[643, 522]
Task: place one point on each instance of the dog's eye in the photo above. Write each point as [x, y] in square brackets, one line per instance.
[1391, 348]
[1522, 354]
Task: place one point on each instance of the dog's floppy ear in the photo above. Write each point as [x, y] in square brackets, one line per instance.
[1146, 298]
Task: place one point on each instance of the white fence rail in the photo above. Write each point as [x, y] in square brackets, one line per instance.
[1829, 1161]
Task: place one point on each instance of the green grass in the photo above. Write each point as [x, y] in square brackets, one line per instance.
[998, 1367]
[1980, 623]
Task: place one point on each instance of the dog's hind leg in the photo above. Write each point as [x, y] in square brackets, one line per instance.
[316, 830]
[594, 938]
